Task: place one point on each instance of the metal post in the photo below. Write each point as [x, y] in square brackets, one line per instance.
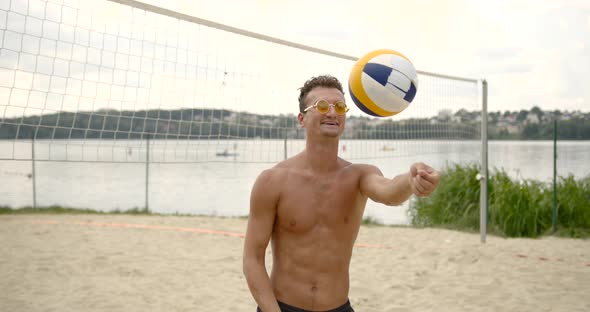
[147, 173]
[285, 148]
[483, 199]
[33, 174]
[554, 175]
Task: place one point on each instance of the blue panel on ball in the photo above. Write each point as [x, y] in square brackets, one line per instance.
[360, 105]
[378, 72]
[411, 93]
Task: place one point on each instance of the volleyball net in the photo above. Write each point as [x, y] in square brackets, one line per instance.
[152, 104]
[124, 81]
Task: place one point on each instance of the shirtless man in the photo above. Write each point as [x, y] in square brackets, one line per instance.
[310, 207]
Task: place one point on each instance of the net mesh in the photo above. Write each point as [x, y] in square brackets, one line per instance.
[93, 81]
[152, 108]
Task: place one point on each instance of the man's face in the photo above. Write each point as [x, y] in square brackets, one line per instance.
[329, 124]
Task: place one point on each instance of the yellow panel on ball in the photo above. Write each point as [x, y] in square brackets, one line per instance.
[383, 83]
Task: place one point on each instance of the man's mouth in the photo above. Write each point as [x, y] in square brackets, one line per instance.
[330, 123]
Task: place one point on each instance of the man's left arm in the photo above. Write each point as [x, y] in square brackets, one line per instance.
[420, 180]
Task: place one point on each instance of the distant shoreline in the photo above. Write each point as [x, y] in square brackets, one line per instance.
[219, 124]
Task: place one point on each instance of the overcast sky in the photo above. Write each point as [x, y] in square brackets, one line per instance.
[104, 55]
[531, 52]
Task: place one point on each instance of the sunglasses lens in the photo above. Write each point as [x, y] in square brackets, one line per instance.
[340, 108]
[322, 106]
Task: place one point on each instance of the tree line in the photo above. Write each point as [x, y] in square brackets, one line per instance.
[227, 124]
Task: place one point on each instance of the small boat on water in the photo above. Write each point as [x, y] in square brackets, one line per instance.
[226, 154]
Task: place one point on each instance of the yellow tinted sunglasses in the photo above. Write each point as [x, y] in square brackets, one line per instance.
[322, 106]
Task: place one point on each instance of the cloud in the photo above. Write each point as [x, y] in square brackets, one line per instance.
[497, 53]
[332, 32]
[531, 52]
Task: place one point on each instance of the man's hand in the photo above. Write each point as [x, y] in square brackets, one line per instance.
[423, 179]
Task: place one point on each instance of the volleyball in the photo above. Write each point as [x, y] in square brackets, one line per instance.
[383, 83]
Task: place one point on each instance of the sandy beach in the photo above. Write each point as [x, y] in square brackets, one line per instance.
[170, 263]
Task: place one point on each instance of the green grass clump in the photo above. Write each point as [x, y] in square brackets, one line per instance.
[517, 208]
[455, 204]
[573, 206]
[371, 221]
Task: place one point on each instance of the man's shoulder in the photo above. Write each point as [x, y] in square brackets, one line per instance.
[277, 171]
[363, 168]
[292, 163]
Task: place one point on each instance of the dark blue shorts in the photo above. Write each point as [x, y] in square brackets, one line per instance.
[288, 308]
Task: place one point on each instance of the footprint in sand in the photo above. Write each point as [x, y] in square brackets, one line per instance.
[421, 279]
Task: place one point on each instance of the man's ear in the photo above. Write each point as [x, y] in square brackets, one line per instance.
[300, 118]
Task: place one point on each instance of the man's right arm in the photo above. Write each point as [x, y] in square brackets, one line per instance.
[263, 207]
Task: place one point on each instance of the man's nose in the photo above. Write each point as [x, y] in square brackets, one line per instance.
[331, 110]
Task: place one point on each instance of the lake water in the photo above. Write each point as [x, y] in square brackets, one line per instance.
[189, 177]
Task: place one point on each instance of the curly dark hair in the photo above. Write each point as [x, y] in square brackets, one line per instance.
[325, 81]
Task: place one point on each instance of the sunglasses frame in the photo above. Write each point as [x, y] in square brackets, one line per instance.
[315, 105]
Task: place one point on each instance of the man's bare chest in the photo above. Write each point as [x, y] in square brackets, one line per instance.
[331, 201]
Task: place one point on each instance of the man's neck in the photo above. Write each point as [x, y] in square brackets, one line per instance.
[322, 155]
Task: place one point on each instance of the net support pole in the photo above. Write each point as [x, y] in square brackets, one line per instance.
[33, 173]
[483, 178]
[554, 214]
[285, 148]
[147, 173]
